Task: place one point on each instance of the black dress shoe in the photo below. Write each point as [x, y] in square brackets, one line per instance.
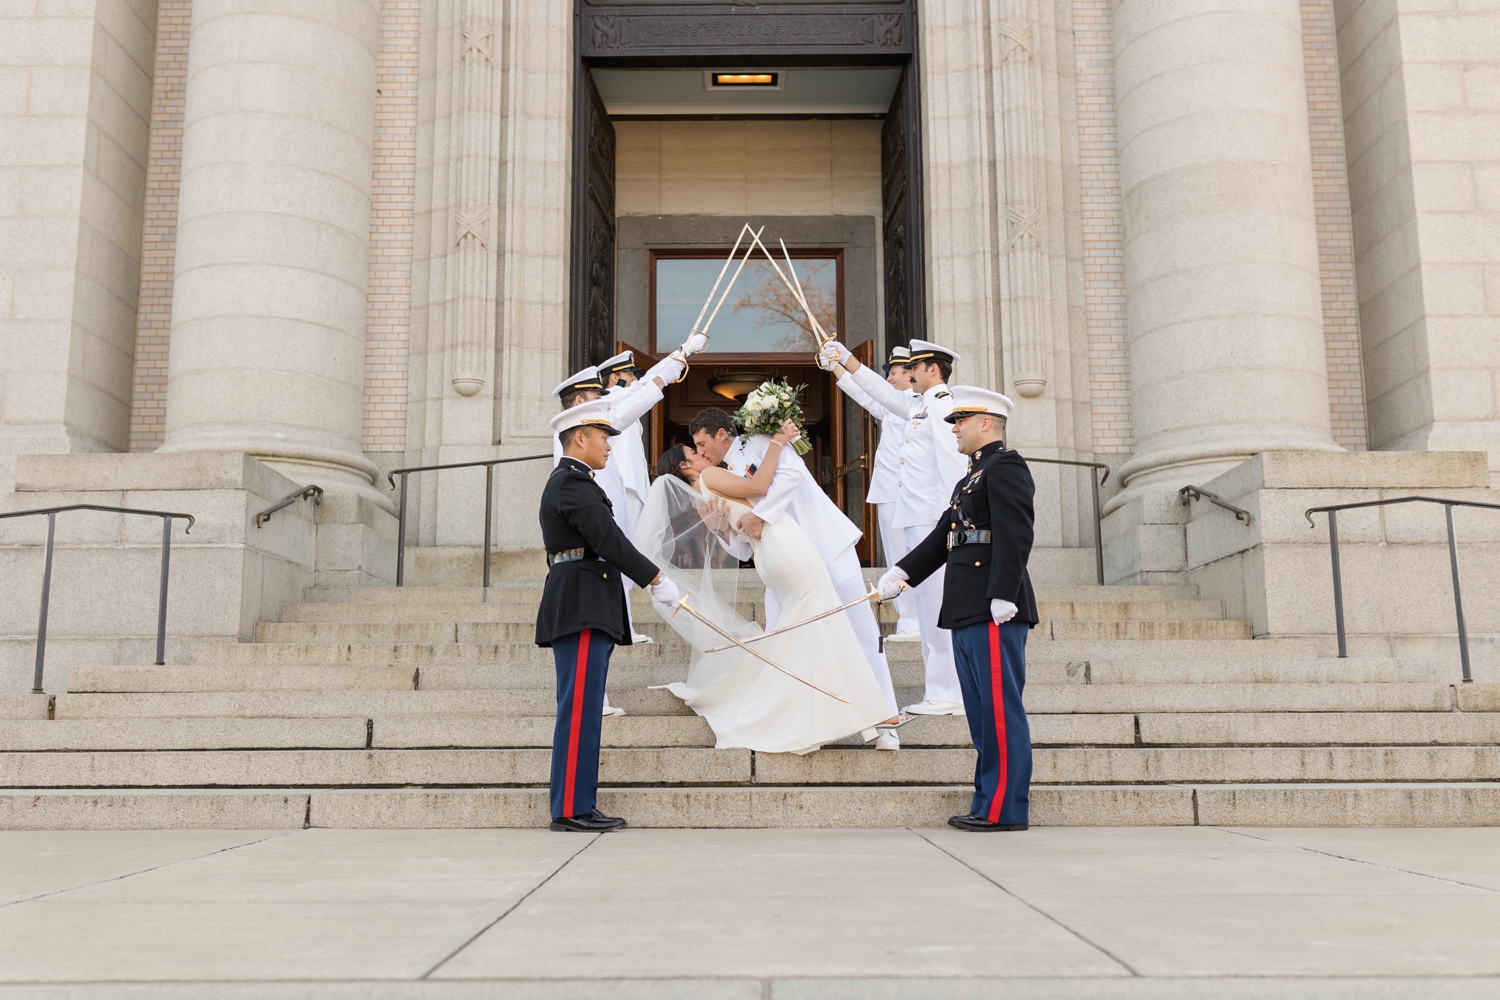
[586, 824]
[978, 824]
[596, 814]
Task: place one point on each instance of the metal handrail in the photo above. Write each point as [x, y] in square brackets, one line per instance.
[489, 492]
[166, 559]
[1190, 493]
[1338, 587]
[316, 492]
[1096, 482]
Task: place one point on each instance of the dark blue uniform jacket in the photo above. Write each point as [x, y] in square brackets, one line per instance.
[585, 593]
[997, 495]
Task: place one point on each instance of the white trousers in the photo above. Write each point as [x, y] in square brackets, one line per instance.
[893, 540]
[937, 643]
[850, 583]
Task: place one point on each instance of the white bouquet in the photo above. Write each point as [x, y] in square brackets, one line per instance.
[770, 405]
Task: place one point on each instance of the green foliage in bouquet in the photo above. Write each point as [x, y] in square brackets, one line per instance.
[768, 406]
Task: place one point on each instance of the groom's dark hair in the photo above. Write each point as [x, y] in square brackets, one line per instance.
[713, 420]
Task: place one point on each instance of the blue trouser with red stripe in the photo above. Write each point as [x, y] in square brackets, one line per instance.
[582, 661]
[991, 661]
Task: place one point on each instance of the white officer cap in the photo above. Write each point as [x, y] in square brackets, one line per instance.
[594, 413]
[586, 379]
[970, 400]
[622, 362]
[899, 356]
[926, 350]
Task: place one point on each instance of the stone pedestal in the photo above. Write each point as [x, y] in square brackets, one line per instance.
[227, 575]
[268, 324]
[1398, 595]
[1221, 255]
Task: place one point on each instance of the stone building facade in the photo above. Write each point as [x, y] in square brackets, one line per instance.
[346, 236]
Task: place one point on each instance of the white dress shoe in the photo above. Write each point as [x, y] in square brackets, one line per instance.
[887, 740]
[610, 711]
[906, 635]
[637, 638]
[931, 707]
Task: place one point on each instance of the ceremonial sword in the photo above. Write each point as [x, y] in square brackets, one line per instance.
[683, 606]
[806, 621]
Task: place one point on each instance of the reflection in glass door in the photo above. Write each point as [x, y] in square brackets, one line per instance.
[759, 317]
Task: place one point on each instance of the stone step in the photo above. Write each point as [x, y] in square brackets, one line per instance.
[183, 734]
[525, 632]
[1319, 728]
[906, 672]
[335, 704]
[358, 768]
[524, 611]
[697, 765]
[1264, 805]
[23, 706]
[433, 732]
[1041, 699]
[1039, 647]
[510, 592]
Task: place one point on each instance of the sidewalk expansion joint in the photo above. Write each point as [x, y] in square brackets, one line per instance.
[1031, 906]
[511, 909]
[1361, 861]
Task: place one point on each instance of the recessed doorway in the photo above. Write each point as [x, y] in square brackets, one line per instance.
[667, 266]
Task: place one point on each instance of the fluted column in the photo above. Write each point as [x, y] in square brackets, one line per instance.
[1221, 253]
[471, 267]
[268, 323]
[1024, 288]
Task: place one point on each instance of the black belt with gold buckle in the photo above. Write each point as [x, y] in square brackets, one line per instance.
[566, 555]
[970, 536]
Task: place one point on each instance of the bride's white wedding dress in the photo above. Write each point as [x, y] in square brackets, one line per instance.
[751, 704]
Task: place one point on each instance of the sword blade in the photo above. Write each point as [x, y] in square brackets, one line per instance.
[743, 261]
[805, 621]
[682, 605]
[714, 290]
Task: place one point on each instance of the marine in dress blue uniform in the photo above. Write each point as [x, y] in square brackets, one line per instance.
[982, 545]
[582, 615]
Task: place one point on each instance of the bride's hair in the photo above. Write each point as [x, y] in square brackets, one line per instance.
[671, 461]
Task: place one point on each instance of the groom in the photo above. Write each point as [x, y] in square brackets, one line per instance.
[794, 493]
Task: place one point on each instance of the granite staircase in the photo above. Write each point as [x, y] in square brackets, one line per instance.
[430, 707]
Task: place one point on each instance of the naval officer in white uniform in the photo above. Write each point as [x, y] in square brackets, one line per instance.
[883, 478]
[929, 465]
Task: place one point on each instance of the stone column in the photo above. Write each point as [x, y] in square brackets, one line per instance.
[1221, 253]
[268, 345]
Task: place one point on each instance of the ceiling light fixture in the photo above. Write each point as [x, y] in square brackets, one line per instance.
[742, 79]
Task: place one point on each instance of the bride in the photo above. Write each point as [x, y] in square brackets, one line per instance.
[747, 702]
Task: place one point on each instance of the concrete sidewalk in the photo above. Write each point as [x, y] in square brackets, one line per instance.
[753, 914]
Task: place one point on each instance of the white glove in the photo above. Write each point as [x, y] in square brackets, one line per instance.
[668, 369]
[890, 584]
[665, 591]
[834, 351]
[1002, 611]
[695, 343]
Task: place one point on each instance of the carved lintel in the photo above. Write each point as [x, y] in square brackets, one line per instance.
[655, 32]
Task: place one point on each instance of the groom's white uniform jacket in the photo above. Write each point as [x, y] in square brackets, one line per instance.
[795, 492]
[625, 470]
[930, 462]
